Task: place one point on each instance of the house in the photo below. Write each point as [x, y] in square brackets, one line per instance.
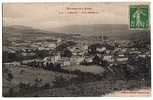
[25, 62]
[88, 59]
[76, 51]
[85, 47]
[28, 54]
[108, 51]
[66, 62]
[102, 49]
[122, 59]
[12, 64]
[108, 58]
[51, 45]
[56, 58]
[142, 55]
[41, 48]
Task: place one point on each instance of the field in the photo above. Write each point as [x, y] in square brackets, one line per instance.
[27, 75]
[63, 84]
[98, 88]
[92, 68]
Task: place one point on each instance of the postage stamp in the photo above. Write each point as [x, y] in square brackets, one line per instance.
[139, 16]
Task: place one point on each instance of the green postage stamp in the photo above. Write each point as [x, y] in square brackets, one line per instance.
[139, 16]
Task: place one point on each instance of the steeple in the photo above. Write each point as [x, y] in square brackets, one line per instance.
[102, 36]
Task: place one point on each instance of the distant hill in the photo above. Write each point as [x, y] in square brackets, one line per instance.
[117, 31]
[92, 29]
[114, 31]
[24, 32]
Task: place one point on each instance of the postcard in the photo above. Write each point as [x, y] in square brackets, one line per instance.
[81, 49]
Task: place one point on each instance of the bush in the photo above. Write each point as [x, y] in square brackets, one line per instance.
[10, 77]
[46, 85]
[10, 93]
[60, 81]
[6, 70]
[38, 82]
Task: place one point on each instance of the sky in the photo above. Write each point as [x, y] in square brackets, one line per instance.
[53, 15]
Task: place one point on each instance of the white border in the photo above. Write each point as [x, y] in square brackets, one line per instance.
[76, 0]
[74, 98]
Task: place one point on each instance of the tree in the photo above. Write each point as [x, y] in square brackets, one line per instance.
[66, 53]
[9, 77]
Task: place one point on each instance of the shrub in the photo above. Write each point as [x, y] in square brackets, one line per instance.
[38, 82]
[46, 85]
[10, 93]
[60, 81]
[10, 77]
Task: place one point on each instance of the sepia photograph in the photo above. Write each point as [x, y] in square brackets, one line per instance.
[81, 49]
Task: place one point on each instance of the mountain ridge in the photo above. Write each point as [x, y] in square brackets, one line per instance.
[121, 31]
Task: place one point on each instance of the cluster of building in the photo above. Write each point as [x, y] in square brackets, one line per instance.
[110, 51]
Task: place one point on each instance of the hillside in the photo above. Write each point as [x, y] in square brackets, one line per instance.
[18, 32]
[109, 30]
[115, 31]
[92, 29]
